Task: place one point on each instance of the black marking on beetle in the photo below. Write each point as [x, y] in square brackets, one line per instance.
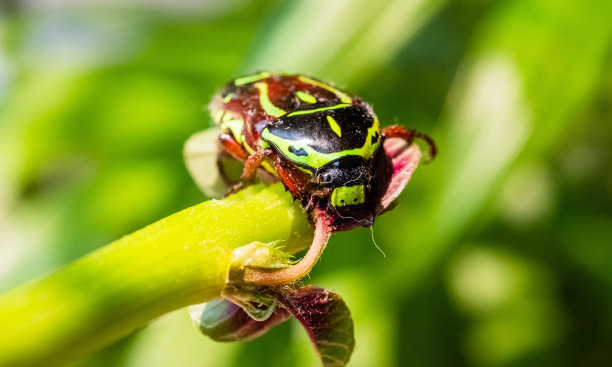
[299, 152]
[313, 129]
[375, 138]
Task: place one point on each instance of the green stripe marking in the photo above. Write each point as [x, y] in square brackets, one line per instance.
[265, 102]
[235, 126]
[308, 98]
[251, 78]
[341, 105]
[347, 195]
[334, 126]
[343, 96]
[315, 160]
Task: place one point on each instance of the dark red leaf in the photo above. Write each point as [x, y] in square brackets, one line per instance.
[224, 321]
[405, 160]
[327, 321]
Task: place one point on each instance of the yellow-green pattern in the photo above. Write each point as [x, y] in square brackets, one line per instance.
[305, 155]
[348, 195]
[265, 102]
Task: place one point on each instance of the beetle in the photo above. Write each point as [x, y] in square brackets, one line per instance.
[323, 144]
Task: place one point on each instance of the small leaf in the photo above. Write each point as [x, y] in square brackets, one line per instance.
[224, 321]
[200, 154]
[327, 321]
[323, 314]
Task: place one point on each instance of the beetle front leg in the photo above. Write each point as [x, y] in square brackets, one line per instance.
[253, 162]
[323, 193]
[396, 131]
[251, 165]
[231, 146]
[289, 178]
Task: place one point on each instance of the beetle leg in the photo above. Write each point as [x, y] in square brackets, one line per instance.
[316, 196]
[396, 131]
[294, 180]
[253, 162]
[230, 145]
[251, 165]
[312, 200]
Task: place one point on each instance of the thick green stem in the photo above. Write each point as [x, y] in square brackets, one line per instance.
[180, 260]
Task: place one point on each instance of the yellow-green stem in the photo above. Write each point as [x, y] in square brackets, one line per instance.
[180, 260]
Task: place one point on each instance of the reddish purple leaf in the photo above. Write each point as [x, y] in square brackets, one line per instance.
[405, 160]
[224, 321]
[327, 321]
[323, 314]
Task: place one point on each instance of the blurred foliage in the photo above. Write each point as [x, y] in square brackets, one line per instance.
[498, 253]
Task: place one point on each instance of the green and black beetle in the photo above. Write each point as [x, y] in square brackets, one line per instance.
[325, 145]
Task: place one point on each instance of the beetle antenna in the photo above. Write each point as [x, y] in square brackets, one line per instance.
[374, 241]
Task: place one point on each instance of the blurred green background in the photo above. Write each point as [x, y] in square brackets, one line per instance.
[499, 253]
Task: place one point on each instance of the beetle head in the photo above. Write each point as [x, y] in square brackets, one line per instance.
[356, 188]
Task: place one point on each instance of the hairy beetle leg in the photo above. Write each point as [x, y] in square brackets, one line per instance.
[320, 194]
[396, 131]
[251, 165]
[251, 162]
[292, 178]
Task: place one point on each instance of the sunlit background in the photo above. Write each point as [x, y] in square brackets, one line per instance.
[499, 253]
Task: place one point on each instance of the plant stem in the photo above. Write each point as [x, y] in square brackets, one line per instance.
[180, 260]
